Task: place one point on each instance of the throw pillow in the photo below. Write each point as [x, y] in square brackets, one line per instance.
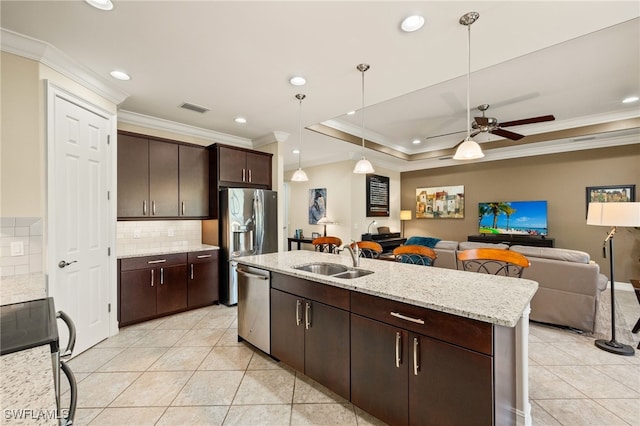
[423, 241]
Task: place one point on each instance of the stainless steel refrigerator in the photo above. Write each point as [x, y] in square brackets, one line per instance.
[248, 226]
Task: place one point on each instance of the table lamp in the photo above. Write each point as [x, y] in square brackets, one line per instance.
[614, 215]
[324, 222]
[404, 215]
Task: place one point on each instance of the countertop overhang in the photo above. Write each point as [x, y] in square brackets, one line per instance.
[494, 299]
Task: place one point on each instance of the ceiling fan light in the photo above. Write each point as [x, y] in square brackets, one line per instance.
[299, 176]
[363, 167]
[468, 150]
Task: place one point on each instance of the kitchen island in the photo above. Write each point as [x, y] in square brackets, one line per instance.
[409, 344]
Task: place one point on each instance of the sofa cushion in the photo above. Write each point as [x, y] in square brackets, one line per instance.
[423, 241]
[553, 253]
[447, 245]
[467, 245]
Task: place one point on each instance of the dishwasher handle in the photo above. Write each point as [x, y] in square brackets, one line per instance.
[250, 275]
[72, 333]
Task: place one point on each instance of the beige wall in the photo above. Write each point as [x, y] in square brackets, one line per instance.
[559, 178]
[346, 201]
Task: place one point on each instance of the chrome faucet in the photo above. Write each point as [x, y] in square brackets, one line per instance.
[354, 252]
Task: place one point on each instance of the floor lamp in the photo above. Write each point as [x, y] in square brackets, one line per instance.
[614, 215]
[404, 216]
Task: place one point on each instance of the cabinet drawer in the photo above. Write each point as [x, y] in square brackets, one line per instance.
[162, 260]
[202, 256]
[465, 332]
[333, 296]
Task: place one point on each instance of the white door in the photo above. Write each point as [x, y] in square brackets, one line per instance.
[79, 218]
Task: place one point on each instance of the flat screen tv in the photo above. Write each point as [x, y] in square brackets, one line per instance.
[513, 217]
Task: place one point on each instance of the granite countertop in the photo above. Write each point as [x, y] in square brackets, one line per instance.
[27, 376]
[154, 251]
[489, 298]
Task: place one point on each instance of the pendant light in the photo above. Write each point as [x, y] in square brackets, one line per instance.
[363, 166]
[469, 149]
[300, 175]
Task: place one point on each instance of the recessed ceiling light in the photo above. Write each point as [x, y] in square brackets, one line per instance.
[240, 120]
[416, 141]
[120, 75]
[101, 4]
[630, 99]
[412, 23]
[297, 80]
[351, 112]
[296, 151]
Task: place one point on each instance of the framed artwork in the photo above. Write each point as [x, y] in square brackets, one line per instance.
[317, 204]
[377, 196]
[440, 202]
[611, 194]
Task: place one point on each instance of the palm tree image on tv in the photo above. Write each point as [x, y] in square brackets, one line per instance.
[516, 217]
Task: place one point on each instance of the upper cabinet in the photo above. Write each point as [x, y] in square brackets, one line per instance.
[238, 167]
[161, 179]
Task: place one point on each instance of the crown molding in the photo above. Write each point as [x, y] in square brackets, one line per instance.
[155, 123]
[31, 48]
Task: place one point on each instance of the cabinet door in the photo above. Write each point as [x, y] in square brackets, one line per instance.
[163, 179]
[133, 176]
[326, 346]
[452, 385]
[258, 169]
[379, 369]
[232, 164]
[194, 181]
[202, 287]
[287, 329]
[171, 288]
[137, 296]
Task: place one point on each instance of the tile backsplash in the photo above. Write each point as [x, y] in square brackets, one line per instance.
[141, 236]
[21, 240]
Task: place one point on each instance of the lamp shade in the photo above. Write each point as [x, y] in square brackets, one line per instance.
[324, 221]
[405, 214]
[614, 214]
[363, 167]
[299, 176]
[468, 150]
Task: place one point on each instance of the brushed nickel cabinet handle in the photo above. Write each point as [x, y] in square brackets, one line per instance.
[398, 348]
[144, 207]
[151, 262]
[192, 271]
[406, 318]
[298, 306]
[243, 174]
[152, 278]
[203, 256]
[161, 275]
[416, 356]
[153, 208]
[307, 316]
[249, 175]
[182, 208]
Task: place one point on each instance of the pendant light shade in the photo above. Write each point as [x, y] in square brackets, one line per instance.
[363, 166]
[469, 149]
[299, 175]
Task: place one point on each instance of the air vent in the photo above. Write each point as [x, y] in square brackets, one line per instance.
[194, 107]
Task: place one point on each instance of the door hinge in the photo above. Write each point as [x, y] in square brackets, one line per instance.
[109, 307]
[108, 195]
[108, 139]
[108, 251]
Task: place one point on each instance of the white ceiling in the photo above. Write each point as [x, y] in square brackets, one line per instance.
[573, 59]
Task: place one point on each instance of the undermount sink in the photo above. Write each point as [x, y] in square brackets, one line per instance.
[333, 269]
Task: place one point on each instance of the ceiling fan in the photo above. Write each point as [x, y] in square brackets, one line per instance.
[491, 125]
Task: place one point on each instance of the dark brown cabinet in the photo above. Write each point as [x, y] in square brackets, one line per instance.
[240, 167]
[411, 365]
[310, 330]
[203, 281]
[161, 179]
[152, 286]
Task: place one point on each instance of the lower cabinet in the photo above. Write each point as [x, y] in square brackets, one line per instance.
[153, 286]
[309, 335]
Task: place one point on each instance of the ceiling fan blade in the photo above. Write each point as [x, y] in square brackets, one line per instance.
[482, 121]
[507, 134]
[531, 120]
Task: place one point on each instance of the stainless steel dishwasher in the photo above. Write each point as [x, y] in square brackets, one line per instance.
[253, 307]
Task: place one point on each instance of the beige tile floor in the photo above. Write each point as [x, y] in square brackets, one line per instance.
[189, 369]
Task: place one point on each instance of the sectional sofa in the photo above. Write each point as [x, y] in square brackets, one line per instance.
[569, 282]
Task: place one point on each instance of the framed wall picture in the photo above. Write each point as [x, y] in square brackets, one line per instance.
[440, 202]
[377, 196]
[317, 204]
[611, 194]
